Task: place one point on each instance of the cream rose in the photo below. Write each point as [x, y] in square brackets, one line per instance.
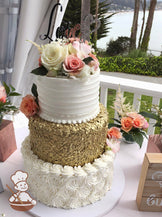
[53, 55]
[85, 72]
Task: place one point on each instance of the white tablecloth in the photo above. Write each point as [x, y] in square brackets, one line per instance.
[130, 158]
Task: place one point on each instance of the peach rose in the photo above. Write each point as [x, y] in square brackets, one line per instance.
[28, 106]
[127, 123]
[138, 122]
[3, 94]
[114, 133]
[73, 65]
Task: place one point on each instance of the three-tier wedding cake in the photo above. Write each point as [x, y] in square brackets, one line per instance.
[65, 155]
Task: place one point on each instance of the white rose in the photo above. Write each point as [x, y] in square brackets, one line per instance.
[53, 55]
[85, 72]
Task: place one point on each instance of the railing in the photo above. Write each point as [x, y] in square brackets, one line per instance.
[134, 86]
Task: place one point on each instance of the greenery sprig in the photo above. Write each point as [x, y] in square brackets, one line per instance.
[6, 107]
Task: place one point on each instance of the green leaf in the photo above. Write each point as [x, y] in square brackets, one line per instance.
[128, 137]
[149, 115]
[34, 90]
[6, 88]
[87, 60]
[12, 88]
[138, 138]
[40, 71]
[14, 94]
[144, 134]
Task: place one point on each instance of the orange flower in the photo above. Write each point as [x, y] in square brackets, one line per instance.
[114, 133]
[127, 123]
[28, 106]
[138, 122]
[3, 94]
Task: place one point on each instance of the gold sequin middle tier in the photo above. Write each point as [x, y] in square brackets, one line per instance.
[69, 144]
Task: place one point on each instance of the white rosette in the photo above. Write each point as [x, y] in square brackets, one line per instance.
[68, 187]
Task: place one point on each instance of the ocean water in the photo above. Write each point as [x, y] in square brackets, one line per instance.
[121, 26]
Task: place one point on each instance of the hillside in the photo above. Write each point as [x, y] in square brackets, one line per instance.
[128, 4]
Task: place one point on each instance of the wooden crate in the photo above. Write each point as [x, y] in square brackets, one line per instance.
[149, 195]
[7, 139]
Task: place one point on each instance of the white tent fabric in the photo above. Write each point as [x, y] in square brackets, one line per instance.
[34, 18]
[9, 14]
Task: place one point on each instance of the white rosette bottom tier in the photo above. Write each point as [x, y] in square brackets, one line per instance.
[67, 187]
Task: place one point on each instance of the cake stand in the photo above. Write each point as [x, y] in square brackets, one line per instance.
[98, 209]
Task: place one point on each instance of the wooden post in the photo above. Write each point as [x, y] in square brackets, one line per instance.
[85, 20]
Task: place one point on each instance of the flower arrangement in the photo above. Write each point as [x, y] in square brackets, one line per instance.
[130, 123]
[5, 104]
[66, 57]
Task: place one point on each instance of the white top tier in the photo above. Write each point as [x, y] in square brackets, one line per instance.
[65, 100]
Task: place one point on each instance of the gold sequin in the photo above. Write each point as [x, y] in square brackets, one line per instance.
[69, 144]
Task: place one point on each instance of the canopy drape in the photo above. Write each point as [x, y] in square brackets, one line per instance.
[34, 19]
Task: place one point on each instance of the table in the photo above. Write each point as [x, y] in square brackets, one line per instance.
[130, 159]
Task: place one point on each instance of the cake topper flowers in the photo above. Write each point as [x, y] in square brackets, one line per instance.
[66, 57]
[5, 104]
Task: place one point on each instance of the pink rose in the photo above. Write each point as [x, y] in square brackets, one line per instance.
[145, 125]
[3, 94]
[73, 65]
[83, 49]
[114, 144]
[28, 106]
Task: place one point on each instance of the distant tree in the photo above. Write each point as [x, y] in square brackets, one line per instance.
[134, 25]
[143, 4]
[104, 18]
[147, 32]
[73, 14]
[118, 47]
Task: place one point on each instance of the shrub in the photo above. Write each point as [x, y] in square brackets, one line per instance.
[151, 66]
[137, 53]
[118, 46]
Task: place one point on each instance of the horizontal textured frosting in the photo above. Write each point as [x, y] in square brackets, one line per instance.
[67, 100]
[67, 187]
[69, 144]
